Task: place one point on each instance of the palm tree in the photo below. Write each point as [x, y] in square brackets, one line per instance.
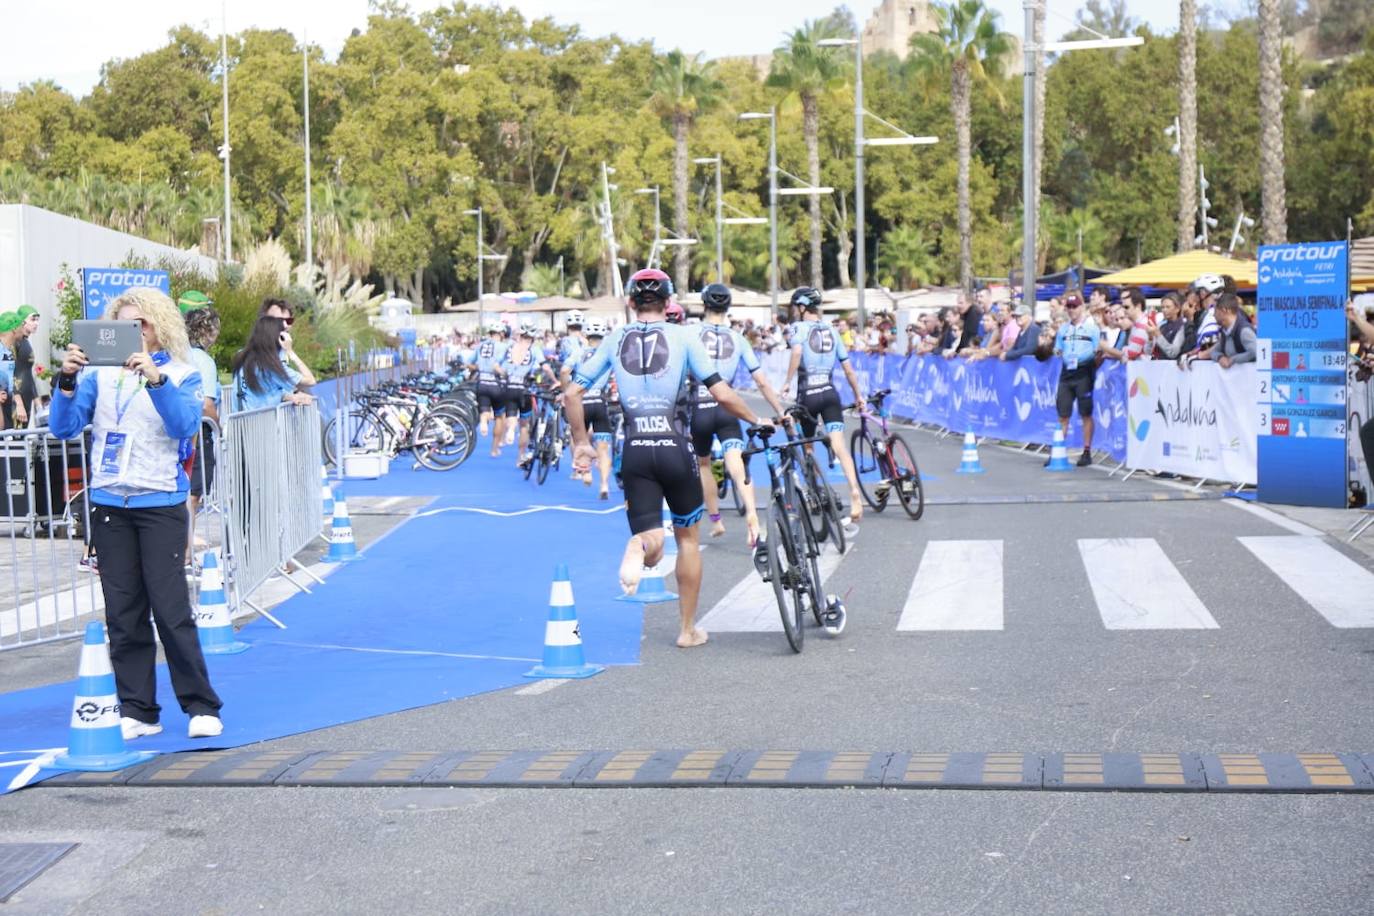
[967, 45]
[682, 87]
[1273, 209]
[1038, 129]
[905, 259]
[1187, 123]
[1076, 237]
[543, 279]
[802, 68]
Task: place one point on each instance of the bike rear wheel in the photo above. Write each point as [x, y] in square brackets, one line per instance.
[866, 461]
[439, 441]
[784, 569]
[815, 498]
[906, 477]
[363, 432]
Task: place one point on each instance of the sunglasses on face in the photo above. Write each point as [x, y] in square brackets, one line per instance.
[289, 320]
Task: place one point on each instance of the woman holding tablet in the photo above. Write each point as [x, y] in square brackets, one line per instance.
[144, 416]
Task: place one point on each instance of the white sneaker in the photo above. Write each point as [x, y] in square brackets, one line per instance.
[204, 727]
[135, 728]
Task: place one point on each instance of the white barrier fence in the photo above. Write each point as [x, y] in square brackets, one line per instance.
[1202, 422]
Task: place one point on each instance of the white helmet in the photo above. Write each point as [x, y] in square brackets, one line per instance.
[575, 317]
[527, 329]
[596, 328]
[1209, 283]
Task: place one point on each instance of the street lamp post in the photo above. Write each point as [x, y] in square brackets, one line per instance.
[224, 150]
[1028, 164]
[720, 242]
[658, 222]
[481, 303]
[309, 227]
[771, 115]
[860, 141]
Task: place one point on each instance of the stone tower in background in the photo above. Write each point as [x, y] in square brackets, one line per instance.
[893, 23]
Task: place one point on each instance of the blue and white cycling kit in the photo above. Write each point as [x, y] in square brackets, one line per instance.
[821, 348]
[1077, 346]
[594, 409]
[727, 349]
[491, 394]
[518, 369]
[650, 361]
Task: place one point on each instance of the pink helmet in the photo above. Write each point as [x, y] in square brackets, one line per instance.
[649, 283]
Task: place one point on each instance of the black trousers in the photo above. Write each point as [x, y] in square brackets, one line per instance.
[1367, 446]
[142, 565]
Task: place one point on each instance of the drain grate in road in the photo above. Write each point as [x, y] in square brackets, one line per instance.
[20, 863]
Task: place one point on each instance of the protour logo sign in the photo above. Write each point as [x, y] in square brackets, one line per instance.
[1271, 261]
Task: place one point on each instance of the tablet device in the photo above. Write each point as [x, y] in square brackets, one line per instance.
[108, 343]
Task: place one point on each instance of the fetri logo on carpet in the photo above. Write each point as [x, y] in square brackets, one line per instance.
[1140, 429]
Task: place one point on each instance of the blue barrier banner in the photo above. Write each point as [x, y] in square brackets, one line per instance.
[1001, 400]
[1302, 379]
[99, 285]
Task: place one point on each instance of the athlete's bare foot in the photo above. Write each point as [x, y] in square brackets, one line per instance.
[692, 638]
[632, 566]
[483, 428]
[717, 528]
[856, 507]
[751, 521]
[587, 479]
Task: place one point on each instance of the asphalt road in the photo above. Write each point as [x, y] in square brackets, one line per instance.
[1272, 674]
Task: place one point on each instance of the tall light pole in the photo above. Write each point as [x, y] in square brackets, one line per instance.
[720, 242]
[481, 268]
[1028, 163]
[658, 222]
[771, 115]
[224, 150]
[608, 229]
[309, 193]
[860, 141]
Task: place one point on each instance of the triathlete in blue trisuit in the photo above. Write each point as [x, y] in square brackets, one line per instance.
[571, 345]
[521, 361]
[596, 411]
[649, 359]
[816, 347]
[727, 349]
[491, 394]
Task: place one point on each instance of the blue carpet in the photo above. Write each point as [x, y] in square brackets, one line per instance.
[450, 604]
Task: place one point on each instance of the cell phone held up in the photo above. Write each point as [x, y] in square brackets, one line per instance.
[107, 343]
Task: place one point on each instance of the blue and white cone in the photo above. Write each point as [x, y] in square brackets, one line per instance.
[562, 637]
[342, 548]
[969, 464]
[95, 740]
[651, 588]
[213, 625]
[669, 541]
[1059, 455]
[326, 491]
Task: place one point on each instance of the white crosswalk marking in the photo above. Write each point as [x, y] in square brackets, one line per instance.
[750, 607]
[958, 587]
[1138, 588]
[1340, 589]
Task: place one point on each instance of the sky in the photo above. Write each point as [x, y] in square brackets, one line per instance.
[68, 40]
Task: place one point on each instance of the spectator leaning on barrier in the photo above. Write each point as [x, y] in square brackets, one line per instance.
[10, 411]
[1364, 328]
[261, 378]
[25, 387]
[1236, 341]
[202, 328]
[1077, 343]
[143, 417]
[1168, 335]
[969, 325]
[294, 365]
[1028, 338]
[1209, 287]
[1138, 341]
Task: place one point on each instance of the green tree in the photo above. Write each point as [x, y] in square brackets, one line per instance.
[969, 47]
[682, 87]
[803, 69]
[905, 260]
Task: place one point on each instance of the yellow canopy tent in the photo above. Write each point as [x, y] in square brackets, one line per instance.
[1179, 270]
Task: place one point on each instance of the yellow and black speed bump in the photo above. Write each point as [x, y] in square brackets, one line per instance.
[1287, 773]
[510, 768]
[1133, 772]
[965, 771]
[713, 767]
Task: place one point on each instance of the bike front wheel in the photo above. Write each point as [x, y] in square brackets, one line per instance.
[784, 569]
[906, 477]
[866, 461]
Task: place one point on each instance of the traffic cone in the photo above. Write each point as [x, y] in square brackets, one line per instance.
[95, 741]
[651, 588]
[212, 612]
[326, 492]
[562, 637]
[1059, 456]
[669, 542]
[341, 546]
[969, 463]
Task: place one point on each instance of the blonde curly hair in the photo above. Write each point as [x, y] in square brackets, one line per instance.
[162, 315]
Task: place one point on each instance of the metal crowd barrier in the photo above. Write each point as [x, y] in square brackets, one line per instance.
[46, 594]
[272, 505]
